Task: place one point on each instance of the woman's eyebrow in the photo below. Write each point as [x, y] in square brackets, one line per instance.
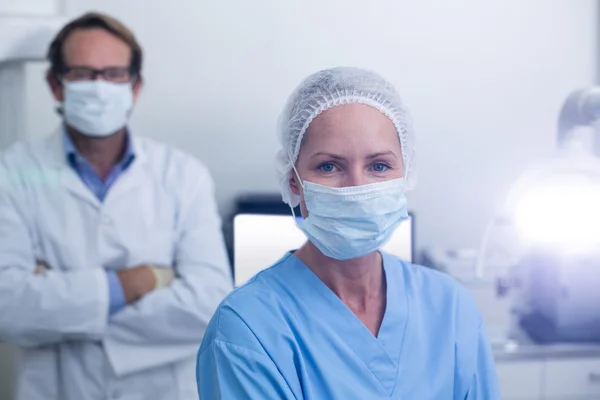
[339, 157]
[330, 155]
[382, 153]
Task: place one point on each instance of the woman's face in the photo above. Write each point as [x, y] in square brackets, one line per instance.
[349, 145]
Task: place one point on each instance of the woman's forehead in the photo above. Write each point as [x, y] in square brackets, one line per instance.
[351, 126]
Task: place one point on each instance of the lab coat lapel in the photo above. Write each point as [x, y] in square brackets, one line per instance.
[380, 354]
[57, 159]
[76, 187]
[133, 177]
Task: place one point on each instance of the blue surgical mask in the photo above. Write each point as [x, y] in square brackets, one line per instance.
[97, 108]
[351, 222]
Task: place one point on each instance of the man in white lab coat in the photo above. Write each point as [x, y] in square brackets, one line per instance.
[112, 259]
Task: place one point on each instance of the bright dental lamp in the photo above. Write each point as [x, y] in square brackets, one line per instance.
[562, 211]
[548, 231]
[557, 205]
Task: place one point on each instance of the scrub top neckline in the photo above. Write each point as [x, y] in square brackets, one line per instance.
[380, 354]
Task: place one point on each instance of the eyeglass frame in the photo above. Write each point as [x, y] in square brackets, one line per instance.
[99, 72]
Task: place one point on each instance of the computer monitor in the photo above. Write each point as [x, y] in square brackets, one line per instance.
[260, 240]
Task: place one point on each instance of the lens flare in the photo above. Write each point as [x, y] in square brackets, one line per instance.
[561, 211]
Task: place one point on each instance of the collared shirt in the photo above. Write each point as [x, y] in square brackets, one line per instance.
[83, 168]
[100, 188]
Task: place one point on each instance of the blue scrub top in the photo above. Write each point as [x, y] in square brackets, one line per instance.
[286, 335]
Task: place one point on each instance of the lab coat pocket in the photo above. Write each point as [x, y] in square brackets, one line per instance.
[185, 377]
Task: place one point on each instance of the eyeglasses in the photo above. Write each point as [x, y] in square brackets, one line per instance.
[111, 74]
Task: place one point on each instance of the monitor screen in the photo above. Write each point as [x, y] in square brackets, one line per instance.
[260, 240]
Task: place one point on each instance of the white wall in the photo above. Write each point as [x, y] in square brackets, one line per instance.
[37, 8]
[484, 81]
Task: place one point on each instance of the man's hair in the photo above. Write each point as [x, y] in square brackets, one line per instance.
[91, 21]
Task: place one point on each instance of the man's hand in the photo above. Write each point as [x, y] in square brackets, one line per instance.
[40, 268]
[136, 282]
[139, 281]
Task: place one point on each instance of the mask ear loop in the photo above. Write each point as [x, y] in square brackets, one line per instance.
[60, 107]
[301, 184]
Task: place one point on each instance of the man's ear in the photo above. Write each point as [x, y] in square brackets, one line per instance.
[137, 87]
[55, 86]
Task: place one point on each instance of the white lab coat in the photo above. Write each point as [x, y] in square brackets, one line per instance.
[161, 210]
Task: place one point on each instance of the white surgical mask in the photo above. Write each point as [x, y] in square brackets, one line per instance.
[97, 108]
[351, 222]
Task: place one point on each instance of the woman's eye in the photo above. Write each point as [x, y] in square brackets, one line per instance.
[380, 167]
[327, 167]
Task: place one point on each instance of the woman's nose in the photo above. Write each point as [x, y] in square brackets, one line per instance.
[356, 177]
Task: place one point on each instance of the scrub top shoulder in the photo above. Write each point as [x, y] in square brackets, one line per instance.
[286, 335]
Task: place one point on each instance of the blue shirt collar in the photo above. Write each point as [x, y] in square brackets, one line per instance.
[73, 155]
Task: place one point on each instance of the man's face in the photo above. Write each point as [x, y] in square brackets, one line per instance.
[97, 49]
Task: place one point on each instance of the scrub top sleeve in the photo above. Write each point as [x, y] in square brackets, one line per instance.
[484, 385]
[229, 371]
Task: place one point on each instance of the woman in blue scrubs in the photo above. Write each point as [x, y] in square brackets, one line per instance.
[337, 318]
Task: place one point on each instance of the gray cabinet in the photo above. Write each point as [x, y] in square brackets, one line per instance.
[576, 378]
[520, 380]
